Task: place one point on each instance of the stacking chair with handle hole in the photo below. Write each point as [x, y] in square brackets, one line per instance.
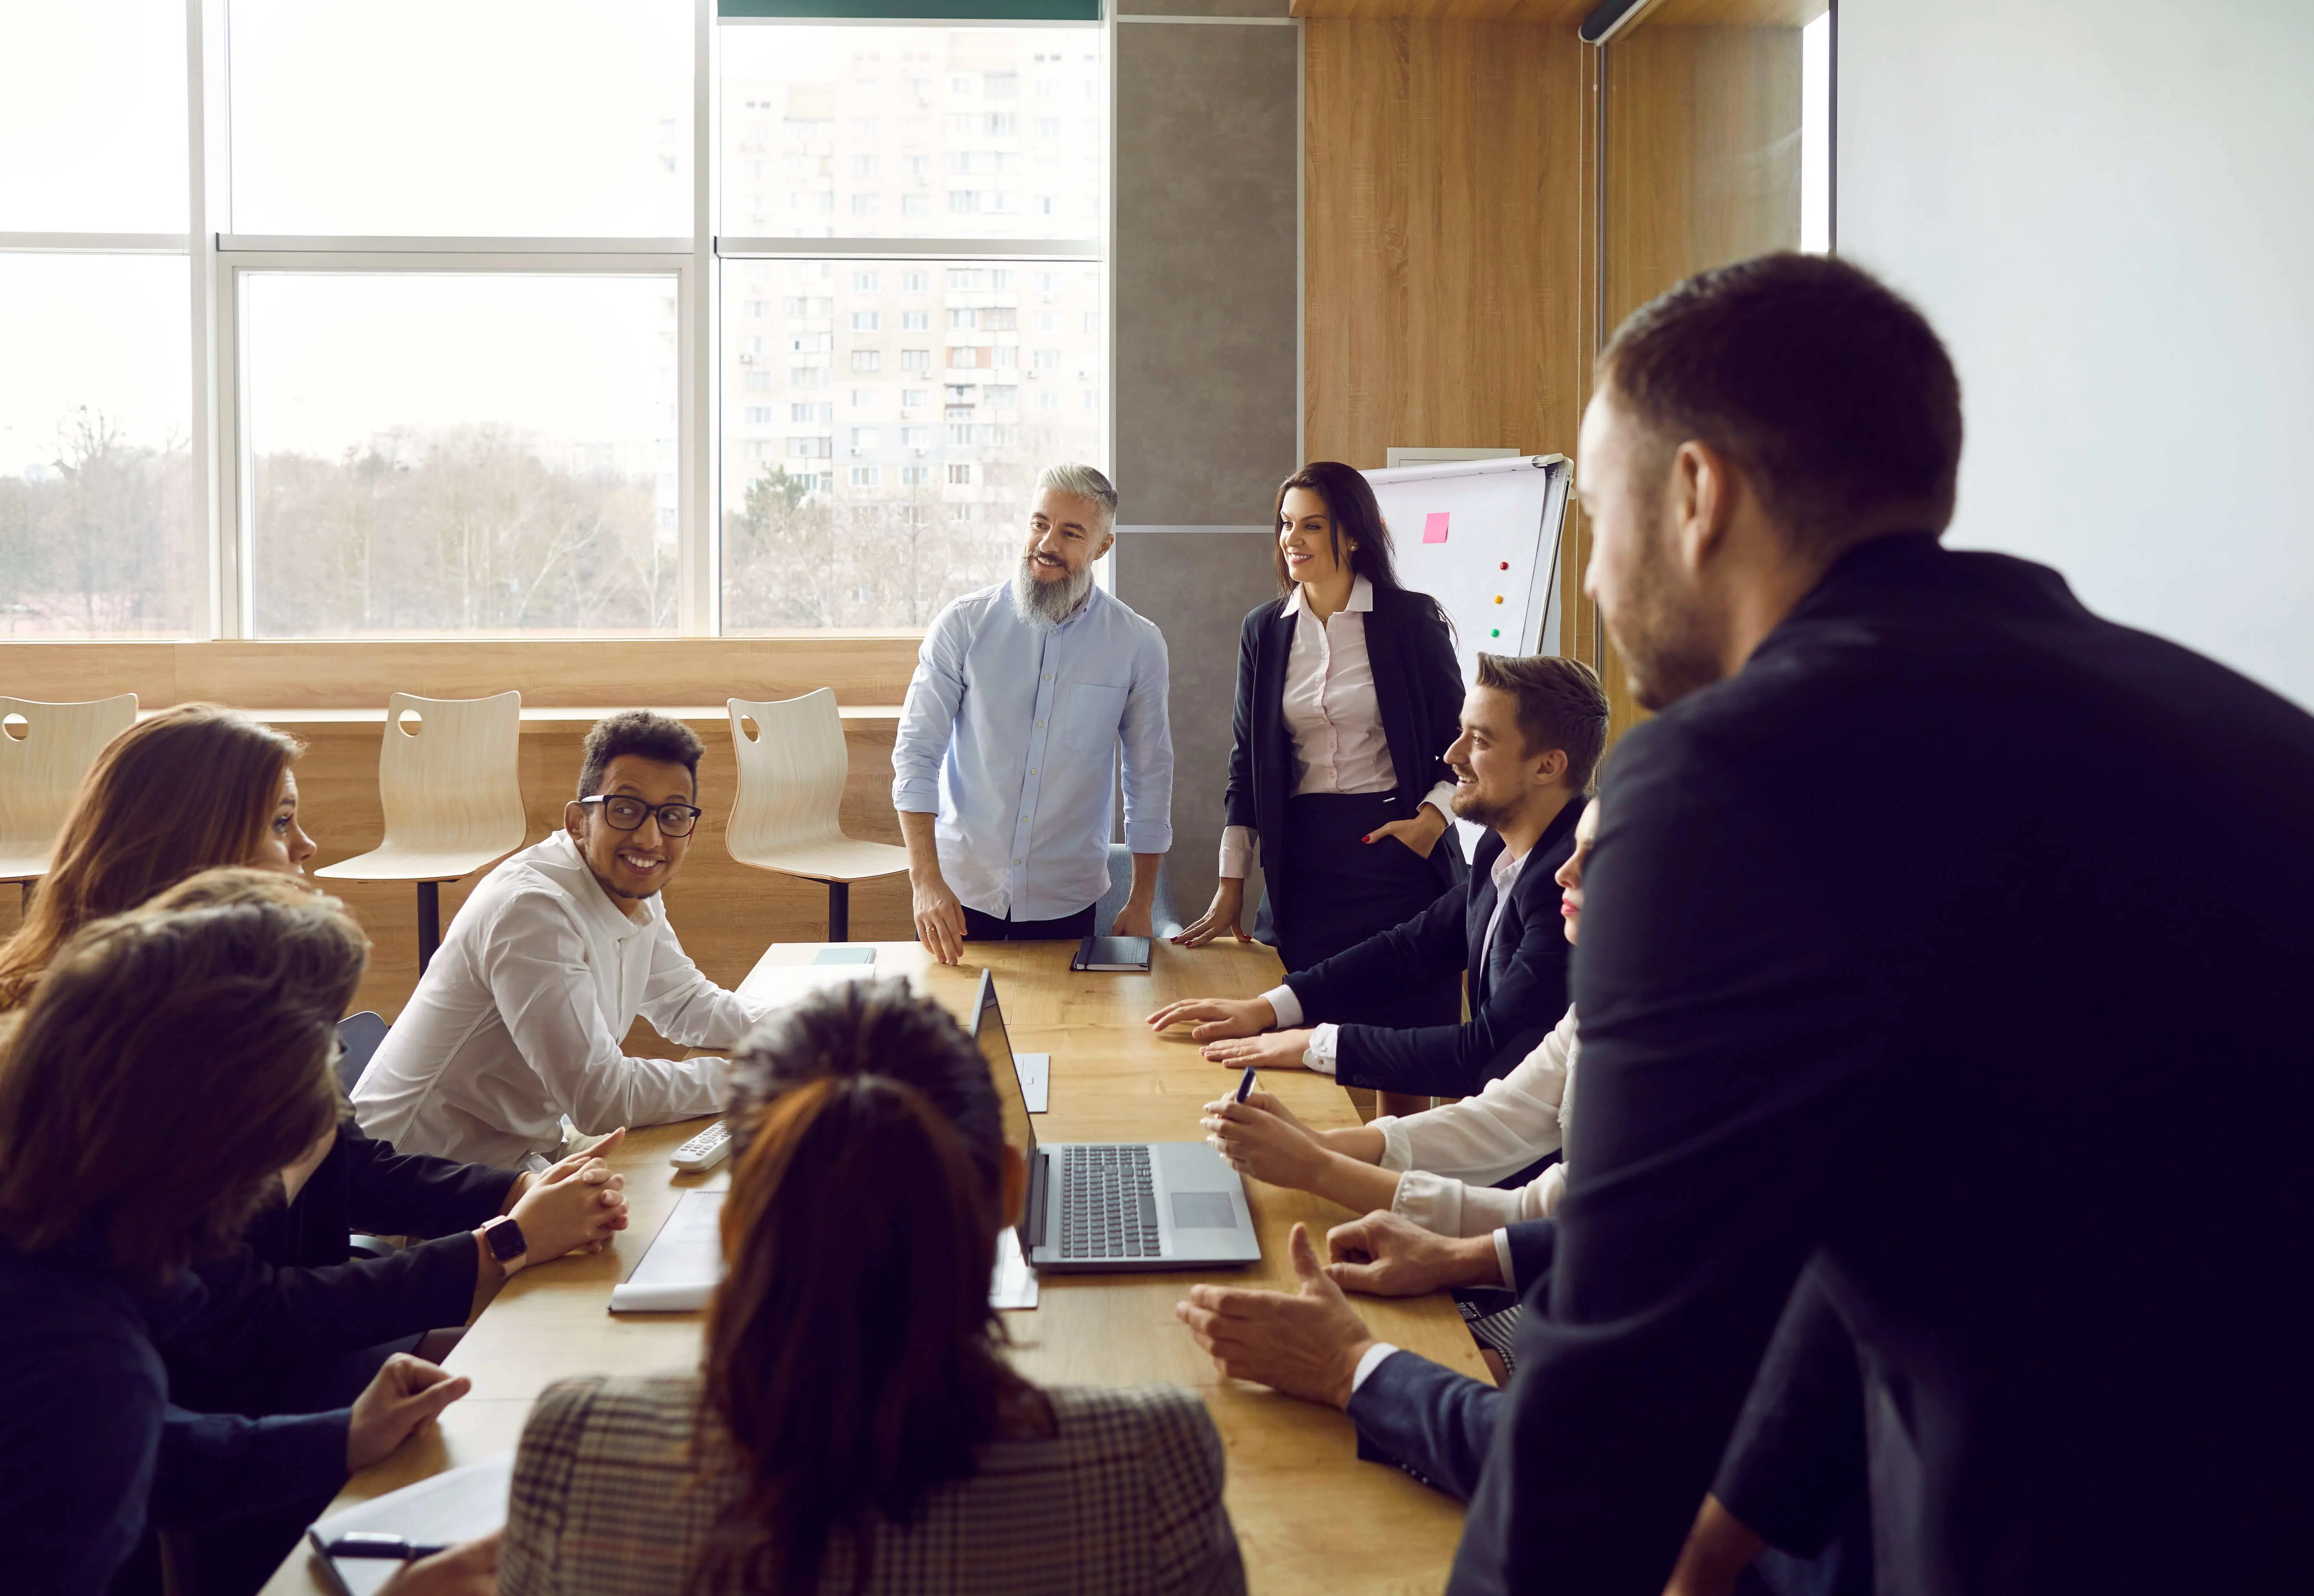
[44, 753]
[449, 776]
[792, 773]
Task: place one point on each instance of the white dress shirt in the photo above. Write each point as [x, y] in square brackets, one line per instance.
[1451, 1154]
[1514, 1121]
[520, 1018]
[1325, 1041]
[1333, 716]
[1010, 736]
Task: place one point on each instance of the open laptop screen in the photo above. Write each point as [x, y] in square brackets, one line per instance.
[996, 1048]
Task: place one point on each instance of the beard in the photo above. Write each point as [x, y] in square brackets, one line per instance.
[1045, 605]
[1666, 644]
[1479, 811]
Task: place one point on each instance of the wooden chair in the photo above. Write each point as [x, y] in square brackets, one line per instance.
[42, 768]
[792, 773]
[449, 777]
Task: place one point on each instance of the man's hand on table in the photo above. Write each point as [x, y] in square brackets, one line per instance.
[1385, 1254]
[940, 918]
[1135, 918]
[1211, 1019]
[403, 1396]
[1278, 1049]
[1306, 1343]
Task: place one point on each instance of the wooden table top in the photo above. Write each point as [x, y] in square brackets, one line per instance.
[1309, 1515]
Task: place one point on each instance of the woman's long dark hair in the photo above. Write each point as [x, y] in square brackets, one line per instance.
[1353, 516]
[854, 1362]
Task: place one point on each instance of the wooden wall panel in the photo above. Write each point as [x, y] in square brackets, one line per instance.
[359, 674]
[1442, 243]
[1702, 154]
[725, 912]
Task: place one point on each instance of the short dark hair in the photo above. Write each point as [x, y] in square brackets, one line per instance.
[1561, 705]
[1829, 390]
[170, 1065]
[643, 734]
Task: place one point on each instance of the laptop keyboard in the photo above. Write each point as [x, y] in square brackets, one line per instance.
[1108, 1205]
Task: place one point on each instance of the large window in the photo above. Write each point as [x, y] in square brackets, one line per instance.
[889, 394]
[328, 319]
[99, 536]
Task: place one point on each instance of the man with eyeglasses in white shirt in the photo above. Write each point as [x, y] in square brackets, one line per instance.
[520, 1019]
[1003, 770]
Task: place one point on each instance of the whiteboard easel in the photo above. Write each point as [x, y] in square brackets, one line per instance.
[1481, 537]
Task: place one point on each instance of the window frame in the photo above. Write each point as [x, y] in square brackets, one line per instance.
[221, 264]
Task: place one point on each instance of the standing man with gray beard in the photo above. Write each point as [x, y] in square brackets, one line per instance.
[1000, 771]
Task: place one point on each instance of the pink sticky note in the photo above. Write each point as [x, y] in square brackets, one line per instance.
[1433, 527]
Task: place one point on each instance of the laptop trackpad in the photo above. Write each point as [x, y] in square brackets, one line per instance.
[1204, 1210]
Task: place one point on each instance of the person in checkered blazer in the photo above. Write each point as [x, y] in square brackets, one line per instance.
[854, 1426]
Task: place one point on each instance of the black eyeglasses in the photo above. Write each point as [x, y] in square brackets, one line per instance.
[628, 814]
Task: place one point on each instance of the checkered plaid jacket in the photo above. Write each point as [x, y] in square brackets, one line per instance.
[1124, 1499]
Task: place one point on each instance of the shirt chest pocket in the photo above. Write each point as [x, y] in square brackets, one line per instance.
[1088, 717]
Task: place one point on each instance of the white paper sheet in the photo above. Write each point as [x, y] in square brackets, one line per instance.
[455, 1505]
[1015, 1282]
[779, 985]
[1036, 1073]
[684, 1262]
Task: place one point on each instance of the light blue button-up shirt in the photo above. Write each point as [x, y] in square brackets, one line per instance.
[1010, 736]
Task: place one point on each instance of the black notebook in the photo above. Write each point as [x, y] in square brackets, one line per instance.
[1114, 954]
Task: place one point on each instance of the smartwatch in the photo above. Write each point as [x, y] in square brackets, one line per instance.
[505, 1239]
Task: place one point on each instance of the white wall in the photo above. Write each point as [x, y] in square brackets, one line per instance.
[2106, 207]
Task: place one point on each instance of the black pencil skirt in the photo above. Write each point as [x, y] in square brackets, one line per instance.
[1330, 890]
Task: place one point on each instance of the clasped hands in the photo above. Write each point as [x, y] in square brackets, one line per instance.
[1307, 1343]
[1232, 1030]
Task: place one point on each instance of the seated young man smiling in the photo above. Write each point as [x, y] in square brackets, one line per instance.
[520, 1019]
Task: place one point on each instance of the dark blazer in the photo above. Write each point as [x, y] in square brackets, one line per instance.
[2045, 1138]
[1417, 689]
[91, 1447]
[1430, 1420]
[1795, 1466]
[365, 1185]
[1516, 993]
[294, 1293]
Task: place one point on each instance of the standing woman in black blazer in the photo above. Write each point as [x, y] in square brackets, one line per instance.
[1347, 697]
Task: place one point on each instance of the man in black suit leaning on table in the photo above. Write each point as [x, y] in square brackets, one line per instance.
[2045, 1150]
[1533, 732]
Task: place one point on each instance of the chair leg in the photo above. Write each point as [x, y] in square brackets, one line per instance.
[839, 911]
[25, 889]
[429, 922]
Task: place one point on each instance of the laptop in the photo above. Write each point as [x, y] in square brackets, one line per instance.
[1108, 1207]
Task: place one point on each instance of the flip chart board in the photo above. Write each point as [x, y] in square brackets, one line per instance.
[1481, 537]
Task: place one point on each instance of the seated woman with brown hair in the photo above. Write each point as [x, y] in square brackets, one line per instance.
[198, 787]
[855, 1426]
[168, 1068]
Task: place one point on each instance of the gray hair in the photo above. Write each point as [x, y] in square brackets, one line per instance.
[1082, 482]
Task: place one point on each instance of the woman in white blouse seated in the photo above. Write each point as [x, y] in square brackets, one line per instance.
[855, 1426]
[1432, 1168]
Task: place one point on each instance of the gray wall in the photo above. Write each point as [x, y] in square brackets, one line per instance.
[1207, 361]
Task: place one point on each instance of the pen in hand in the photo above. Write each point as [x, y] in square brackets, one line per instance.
[1245, 1085]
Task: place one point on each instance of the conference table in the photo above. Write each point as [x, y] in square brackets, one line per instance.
[1309, 1516]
